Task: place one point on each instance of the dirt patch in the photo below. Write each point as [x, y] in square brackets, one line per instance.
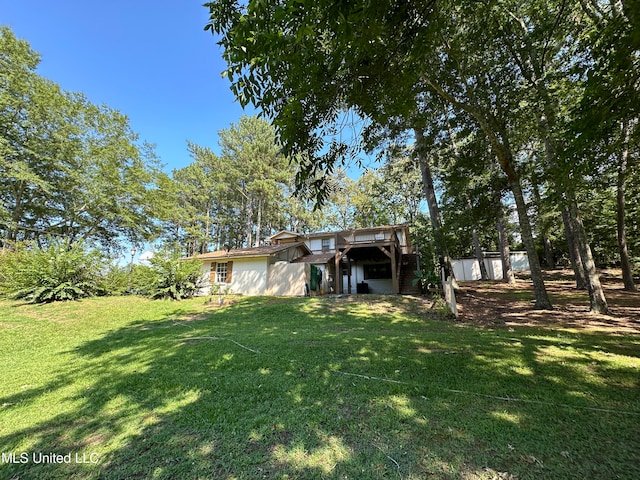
[497, 303]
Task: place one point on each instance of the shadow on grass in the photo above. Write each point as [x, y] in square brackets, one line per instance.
[291, 388]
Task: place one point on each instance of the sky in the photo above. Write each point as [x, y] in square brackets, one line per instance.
[151, 60]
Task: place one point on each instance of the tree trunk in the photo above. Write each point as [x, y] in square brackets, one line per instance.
[574, 252]
[544, 224]
[478, 250]
[533, 70]
[207, 233]
[542, 299]
[505, 159]
[505, 252]
[249, 226]
[479, 255]
[625, 263]
[503, 238]
[259, 223]
[217, 245]
[596, 294]
[16, 212]
[495, 130]
[434, 211]
[548, 252]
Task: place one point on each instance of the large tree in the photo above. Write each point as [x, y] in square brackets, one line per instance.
[606, 117]
[236, 198]
[68, 168]
[513, 67]
[251, 155]
[303, 63]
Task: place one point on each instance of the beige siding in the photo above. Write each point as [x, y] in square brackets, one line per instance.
[205, 288]
[287, 279]
[315, 244]
[249, 276]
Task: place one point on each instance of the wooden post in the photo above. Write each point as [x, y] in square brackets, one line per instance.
[449, 294]
[395, 282]
[338, 275]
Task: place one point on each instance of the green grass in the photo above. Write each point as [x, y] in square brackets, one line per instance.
[309, 388]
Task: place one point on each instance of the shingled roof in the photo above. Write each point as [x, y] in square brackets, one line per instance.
[262, 251]
[315, 258]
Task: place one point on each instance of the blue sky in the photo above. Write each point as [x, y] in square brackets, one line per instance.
[151, 60]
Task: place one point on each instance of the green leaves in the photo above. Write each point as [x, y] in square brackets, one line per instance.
[67, 167]
[60, 271]
[236, 198]
[169, 277]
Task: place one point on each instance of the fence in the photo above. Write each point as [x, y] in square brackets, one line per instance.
[466, 269]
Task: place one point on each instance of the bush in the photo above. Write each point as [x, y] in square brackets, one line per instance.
[428, 280]
[168, 277]
[115, 279]
[60, 271]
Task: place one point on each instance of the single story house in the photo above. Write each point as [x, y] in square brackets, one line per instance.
[265, 270]
[364, 260]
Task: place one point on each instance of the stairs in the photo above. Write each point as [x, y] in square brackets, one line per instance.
[409, 265]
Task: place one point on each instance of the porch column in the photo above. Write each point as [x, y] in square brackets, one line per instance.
[338, 274]
[395, 282]
[338, 257]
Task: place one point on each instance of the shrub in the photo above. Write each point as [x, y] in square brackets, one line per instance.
[428, 280]
[60, 271]
[115, 279]
[169, 277]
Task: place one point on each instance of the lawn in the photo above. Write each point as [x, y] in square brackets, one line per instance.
[353, 387]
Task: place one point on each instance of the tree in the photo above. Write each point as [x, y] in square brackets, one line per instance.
[371, 207]
[400, 185]
[621, 224]
[536, 38]
[260, 175]
[299, 214]
[237, 198]
[607, 113]
[339, 208]
[429, 191]
[380, 59]
[517, 69]
[472, 198]
[201, 217]
[68, 168]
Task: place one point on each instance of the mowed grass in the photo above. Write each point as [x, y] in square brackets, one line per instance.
[361, 388]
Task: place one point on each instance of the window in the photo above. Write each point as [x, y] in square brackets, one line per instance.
[221, 272]
[325, 244]
[380, 270]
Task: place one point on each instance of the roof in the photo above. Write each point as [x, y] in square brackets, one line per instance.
[262, 251]
[315, 258]
[287, 234]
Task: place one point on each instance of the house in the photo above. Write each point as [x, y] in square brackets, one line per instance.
[265, 270]
[364, 260]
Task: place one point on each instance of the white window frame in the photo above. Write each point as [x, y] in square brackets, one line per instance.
[221, 272]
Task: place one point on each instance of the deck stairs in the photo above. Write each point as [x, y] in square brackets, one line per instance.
[409, 266]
